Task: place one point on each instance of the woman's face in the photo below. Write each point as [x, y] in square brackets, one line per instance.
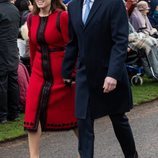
[43, 3]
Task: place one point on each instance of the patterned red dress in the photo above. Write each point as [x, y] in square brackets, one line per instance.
[48, 99]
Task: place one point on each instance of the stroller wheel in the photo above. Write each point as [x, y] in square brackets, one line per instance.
[136, 80]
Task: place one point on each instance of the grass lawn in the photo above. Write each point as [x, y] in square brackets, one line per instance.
[145, 93]
[12, 130]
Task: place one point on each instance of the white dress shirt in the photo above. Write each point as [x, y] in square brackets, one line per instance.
[84, 7]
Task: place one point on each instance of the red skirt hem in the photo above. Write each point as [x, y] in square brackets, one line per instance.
[52, 127]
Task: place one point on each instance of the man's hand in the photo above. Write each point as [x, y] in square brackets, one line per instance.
[109, 84]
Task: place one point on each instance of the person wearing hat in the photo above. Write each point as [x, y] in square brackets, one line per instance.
[154, 17]
[140, 21]
[143, 7]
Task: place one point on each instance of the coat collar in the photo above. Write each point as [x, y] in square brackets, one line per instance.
[95, 7]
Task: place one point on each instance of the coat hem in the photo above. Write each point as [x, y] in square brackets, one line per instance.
[51, 129]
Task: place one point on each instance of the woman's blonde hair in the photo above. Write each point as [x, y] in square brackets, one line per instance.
[55, 4]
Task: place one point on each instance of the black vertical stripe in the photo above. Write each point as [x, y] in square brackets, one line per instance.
[47, 73]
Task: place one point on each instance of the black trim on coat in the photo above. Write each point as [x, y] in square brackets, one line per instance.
[48, 77]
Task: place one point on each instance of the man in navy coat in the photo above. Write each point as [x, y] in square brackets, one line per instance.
[97, 47]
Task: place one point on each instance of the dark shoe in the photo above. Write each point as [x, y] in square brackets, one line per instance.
[133, 156]
[3, 121]
[136, 155]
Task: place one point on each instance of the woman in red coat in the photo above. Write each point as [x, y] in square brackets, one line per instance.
[49, 102]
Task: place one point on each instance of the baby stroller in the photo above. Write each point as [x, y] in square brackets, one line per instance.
[134, 68]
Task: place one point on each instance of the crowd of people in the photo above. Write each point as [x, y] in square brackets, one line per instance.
[55, 66]
[143, 35]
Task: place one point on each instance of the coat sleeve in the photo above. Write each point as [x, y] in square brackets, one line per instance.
[31, 45]
[64, 26]
[71, 52]
[120, 31]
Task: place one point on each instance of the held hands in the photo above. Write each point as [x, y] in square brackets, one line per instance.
[68, 82]
[109, 84]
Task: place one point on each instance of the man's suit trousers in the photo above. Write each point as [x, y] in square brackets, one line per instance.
[122, 131]
[9, 94]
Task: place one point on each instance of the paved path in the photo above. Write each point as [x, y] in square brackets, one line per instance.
[144, 121]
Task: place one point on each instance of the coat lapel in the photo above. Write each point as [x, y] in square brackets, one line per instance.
[79, 10]
[95, 7]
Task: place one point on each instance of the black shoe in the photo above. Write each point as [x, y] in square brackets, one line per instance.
[133, 156]
[136, 155]
[3, 121]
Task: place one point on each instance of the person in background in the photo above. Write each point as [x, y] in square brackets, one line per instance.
[152, 5]
[25, 8]
[154, 18]
[98, 46]
[140, 21]
[17, 3]
[49, 102]
[130, 5]
[9, 89]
